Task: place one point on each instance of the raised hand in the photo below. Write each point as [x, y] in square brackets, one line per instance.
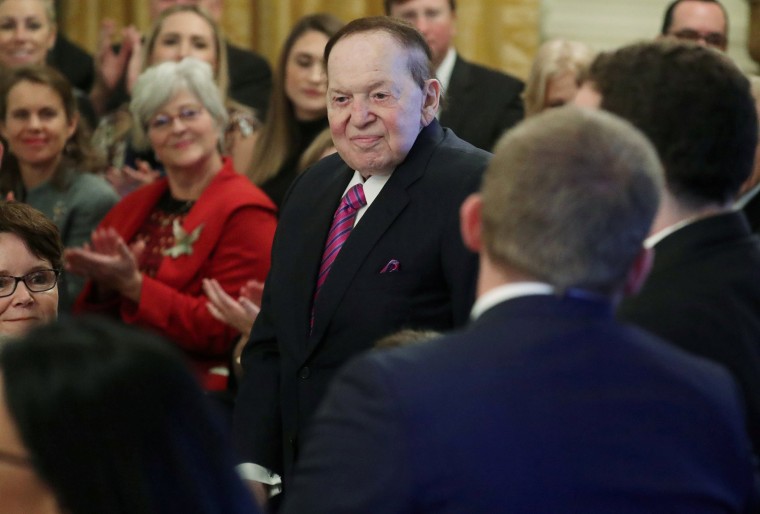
[240, 313]
[109, 262]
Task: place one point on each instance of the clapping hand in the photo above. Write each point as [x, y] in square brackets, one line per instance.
[127, 179]
[108, 261]
[239, 314]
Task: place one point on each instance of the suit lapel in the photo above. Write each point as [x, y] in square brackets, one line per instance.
[374, 224]
[315, 212]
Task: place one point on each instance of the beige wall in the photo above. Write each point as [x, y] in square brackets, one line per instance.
[500, 33]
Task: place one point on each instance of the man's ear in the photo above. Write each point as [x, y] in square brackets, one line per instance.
[431, 99]
[639, 272]
[470, 222]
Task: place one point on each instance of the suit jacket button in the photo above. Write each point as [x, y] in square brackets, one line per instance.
[305, 372]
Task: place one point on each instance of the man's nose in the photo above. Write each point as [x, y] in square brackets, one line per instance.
[421, 23]
[359, 112]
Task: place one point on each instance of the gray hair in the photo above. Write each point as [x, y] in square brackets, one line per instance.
[569, 197]
[157, 85]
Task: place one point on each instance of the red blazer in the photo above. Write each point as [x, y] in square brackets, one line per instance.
[233, 247]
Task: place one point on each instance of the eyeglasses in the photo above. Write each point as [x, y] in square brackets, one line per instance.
[15, 460]
[187, 114]
[714, 39]
[36, 281]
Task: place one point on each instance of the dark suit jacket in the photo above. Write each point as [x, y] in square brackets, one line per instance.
[703, 295]
[250, 79]
[77, 66]
[544, 405]
[480, 103]
[75, 63]
[751, 210]
[415, 221]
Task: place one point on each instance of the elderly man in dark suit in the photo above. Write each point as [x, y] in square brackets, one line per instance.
[704, 291]
[395, 185]
[545, 403]
[480, 103]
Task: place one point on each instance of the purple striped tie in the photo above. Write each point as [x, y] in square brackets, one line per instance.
[343, 222]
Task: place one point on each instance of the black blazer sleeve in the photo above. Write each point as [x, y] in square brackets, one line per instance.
[250, 79]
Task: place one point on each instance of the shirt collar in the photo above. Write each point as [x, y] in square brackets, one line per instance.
[445, 70]
[506, 292]
[372, 187]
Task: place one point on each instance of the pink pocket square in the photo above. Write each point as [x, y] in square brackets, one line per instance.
[393, 265]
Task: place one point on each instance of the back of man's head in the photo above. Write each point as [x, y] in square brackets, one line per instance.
[569, 197]
[694, 105]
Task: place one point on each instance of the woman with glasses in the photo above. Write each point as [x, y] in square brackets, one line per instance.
[148, 257]
[30, 261]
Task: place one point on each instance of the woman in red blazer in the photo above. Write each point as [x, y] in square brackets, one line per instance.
[148, 257]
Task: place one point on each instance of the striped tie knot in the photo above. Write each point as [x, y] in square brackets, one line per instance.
[352, 201]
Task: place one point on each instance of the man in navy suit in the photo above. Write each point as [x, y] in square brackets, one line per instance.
[545, 403]
[480, 103]
[404, 264]
[703, 294]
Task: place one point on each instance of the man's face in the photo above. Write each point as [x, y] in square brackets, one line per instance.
[701, 22]
[375, 108]
[434, 19]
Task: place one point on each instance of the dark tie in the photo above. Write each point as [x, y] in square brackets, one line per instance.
[342, 223]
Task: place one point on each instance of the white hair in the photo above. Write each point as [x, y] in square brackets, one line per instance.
[157, 85]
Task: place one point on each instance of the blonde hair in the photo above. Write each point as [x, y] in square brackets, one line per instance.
[221, 73]
[49, 9]
[554, 58]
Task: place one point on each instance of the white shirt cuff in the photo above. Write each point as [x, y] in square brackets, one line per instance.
[251, 471]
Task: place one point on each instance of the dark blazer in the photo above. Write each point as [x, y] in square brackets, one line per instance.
[414, 220]
[74, 62]
[250, 79]
[703, 295]
[751, 210]
[480, 103]
[544, 404]
[77, 66]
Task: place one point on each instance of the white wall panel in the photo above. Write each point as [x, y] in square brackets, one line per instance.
[607, 24]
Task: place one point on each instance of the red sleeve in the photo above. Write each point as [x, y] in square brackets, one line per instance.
[241, 254]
